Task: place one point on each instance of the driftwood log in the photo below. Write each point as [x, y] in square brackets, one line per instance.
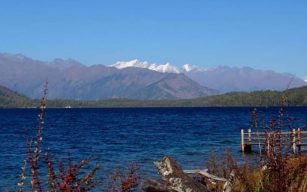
[174, 179]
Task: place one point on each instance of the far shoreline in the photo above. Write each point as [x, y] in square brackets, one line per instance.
[152, 107]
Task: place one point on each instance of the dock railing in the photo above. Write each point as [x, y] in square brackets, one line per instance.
[296, 138]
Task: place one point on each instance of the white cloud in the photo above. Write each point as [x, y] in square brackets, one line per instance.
[305, 79]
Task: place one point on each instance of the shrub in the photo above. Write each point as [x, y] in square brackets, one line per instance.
[59, 177]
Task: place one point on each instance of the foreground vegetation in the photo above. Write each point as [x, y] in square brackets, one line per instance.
[296, 97]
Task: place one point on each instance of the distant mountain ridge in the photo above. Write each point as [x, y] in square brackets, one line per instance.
[229, 79]
[68, 79]
[224, 78]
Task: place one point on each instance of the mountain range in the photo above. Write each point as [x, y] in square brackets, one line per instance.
[225, 78]
[69, 79]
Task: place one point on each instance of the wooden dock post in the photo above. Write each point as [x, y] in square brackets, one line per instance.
[242, 140]
[293, 141]
[248, 147]
[249, 136]
[299, 142]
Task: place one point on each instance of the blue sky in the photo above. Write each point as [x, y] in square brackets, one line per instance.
[261, 34]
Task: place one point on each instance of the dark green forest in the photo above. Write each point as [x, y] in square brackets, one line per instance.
[296, 97]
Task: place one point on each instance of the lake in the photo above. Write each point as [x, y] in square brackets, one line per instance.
[116, 137]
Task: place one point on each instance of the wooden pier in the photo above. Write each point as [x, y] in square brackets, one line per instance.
[295, 139]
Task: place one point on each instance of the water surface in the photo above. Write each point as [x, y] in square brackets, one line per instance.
[118, 136]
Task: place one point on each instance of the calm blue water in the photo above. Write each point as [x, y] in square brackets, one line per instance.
[116, 137]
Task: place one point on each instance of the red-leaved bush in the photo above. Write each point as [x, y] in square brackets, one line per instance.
[59, 177]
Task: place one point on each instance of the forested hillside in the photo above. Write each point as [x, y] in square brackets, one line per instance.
[296, 97]
[9, 98]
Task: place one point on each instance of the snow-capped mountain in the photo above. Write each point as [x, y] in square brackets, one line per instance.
[163, 68]
[186, 68]
[224, 78]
